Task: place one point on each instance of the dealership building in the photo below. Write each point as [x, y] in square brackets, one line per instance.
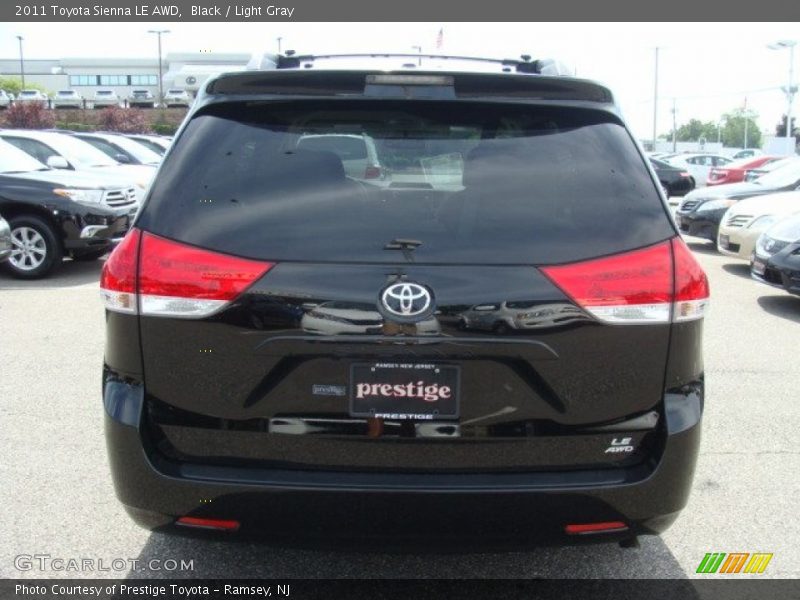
[184, 70]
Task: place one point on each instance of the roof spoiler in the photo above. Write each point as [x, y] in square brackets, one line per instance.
[270, 61]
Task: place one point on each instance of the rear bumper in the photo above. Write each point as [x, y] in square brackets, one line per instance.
[483, 508]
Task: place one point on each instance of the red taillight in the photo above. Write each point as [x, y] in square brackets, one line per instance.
[175, 279]
[218, 524]
[684, 174]
[603, 527]
[691, 284]
[118, 278]
[372, 172]
[634, 287]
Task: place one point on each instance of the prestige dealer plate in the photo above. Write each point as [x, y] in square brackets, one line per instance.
[394, 390]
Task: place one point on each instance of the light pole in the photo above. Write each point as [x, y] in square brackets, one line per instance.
[21, 62]
[419, 50]
[159, 33]
[791, 88]
[655, 102]
[279, 44]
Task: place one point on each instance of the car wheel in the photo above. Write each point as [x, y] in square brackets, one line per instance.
[92, 255]
[500, 328]
[36, 250]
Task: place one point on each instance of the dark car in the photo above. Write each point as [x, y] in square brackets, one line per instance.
[700, 212]
[776, 260]
[5, 239]
[55, 213]
[384, 424]
[676, 182]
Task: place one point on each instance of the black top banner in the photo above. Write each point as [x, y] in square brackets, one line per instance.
[405, 11]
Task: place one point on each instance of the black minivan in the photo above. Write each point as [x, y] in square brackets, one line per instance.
[291, 350]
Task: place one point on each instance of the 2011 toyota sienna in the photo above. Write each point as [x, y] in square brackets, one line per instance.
[272, 365]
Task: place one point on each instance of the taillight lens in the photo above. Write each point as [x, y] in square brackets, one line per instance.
[178, 280]
[691, 284]
[118, 278]
[637, 287]
[685, 174]
[372, 172]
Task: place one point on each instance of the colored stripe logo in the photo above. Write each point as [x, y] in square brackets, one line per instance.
[734, 562]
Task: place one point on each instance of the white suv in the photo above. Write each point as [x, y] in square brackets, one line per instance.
[105, 98]
[176, 97]
[32, 96]
[67, 99]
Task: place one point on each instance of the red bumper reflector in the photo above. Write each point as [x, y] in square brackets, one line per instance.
[605, 527]
[220, 524]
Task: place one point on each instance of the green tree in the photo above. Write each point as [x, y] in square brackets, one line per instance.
[13, 85]
[693, 131]
[733, 130]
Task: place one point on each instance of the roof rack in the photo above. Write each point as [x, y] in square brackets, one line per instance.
[524, 64]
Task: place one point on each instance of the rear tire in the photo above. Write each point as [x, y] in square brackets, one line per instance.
[500, 328]
[36, 250]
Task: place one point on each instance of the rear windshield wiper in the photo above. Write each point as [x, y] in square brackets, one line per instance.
[406, 246]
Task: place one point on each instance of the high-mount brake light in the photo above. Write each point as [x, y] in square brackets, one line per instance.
[653, 285]
[173, 279]
[391, 79]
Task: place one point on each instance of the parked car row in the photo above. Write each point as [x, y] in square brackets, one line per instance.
[142, 98]
[66, 194]
[756, 219]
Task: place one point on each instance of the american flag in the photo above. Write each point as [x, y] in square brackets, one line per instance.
[440, 39]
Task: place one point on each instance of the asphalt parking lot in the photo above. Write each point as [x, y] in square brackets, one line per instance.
[57, 497]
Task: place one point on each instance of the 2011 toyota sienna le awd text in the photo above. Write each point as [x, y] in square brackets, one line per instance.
[287, 348]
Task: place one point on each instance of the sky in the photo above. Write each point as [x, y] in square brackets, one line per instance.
[706, 68]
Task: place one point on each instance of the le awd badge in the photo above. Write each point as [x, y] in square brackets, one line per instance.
[620, 446]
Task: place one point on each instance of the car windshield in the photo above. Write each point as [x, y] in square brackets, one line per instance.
[29, 93]
[138, 151]
[101, 93]
[175, 92]
[66, 93]
[14, 160]
[788, 174]
[79, 152]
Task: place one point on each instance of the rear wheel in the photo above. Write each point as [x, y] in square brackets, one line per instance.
[500, 328]
[36, 250]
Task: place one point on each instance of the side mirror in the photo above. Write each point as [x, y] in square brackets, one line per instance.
[124, 159]
[57, 162]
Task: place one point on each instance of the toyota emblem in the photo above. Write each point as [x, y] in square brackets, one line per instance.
[406, 299]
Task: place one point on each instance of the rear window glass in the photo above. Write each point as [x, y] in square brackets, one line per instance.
[346, 148]
[465, 182]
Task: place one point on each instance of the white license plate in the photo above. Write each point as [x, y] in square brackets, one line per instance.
[758, 267]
